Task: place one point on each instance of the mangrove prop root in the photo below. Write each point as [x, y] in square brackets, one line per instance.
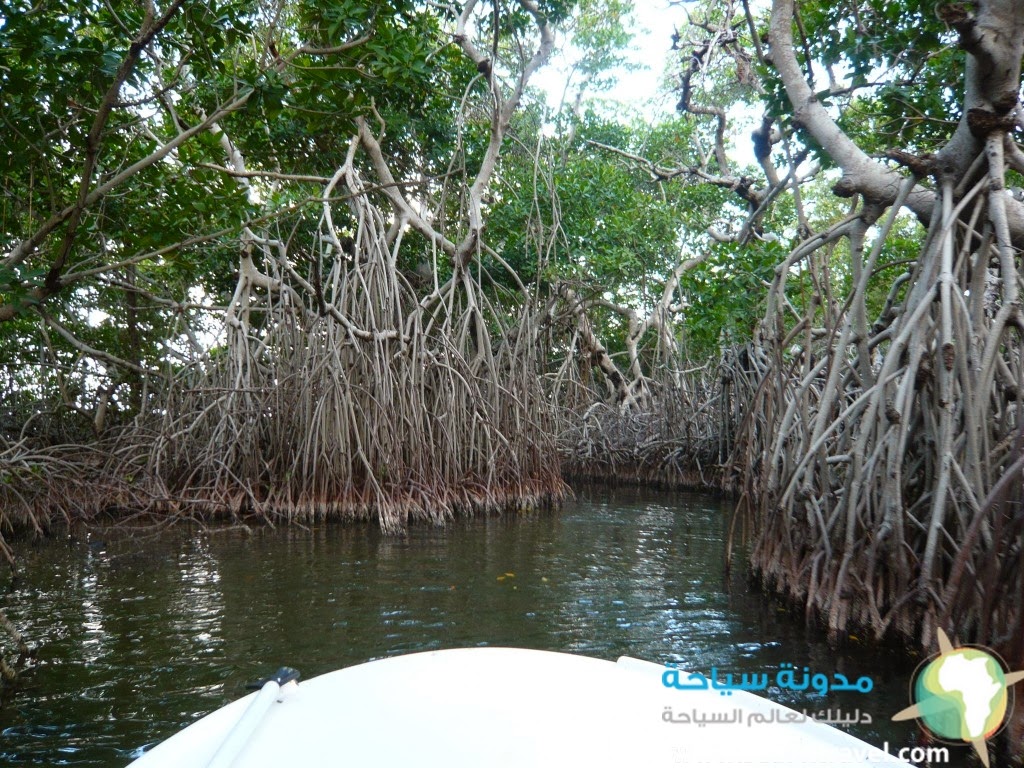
[881, 454]
[353, 398]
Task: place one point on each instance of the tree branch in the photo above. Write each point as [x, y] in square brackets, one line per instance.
[26, 247]
[96, 354]
[861, 174]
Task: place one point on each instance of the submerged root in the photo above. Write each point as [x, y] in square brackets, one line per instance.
[15, 652]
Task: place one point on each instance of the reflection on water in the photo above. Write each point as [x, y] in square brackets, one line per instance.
[141, 637]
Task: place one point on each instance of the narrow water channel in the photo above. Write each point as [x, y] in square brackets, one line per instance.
[140, 637]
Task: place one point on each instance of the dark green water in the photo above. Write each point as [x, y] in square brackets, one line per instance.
[140, 637]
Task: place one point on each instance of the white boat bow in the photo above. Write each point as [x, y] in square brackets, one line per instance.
[504, 707]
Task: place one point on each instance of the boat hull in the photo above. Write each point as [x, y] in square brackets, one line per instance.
[505, 707]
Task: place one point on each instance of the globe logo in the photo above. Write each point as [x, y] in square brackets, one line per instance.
[961, 695]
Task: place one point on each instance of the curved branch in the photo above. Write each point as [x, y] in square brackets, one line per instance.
[862, 174]
[96, 354]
